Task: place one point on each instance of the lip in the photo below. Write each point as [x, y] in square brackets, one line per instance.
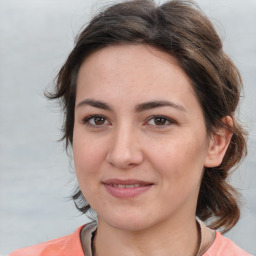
[126, 188]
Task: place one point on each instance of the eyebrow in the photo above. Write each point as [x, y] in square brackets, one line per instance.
[158, 103]
[94, 103]
[139, 108]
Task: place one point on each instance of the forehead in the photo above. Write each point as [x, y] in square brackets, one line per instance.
[134, 72]
[130, 55]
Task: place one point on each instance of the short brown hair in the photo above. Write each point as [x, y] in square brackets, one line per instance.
[180, 29]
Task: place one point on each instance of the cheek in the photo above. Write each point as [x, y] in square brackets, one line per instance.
[181, 155]
[87, 163]
[86, 153]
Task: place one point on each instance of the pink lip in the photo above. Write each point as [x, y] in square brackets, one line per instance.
[138, 188]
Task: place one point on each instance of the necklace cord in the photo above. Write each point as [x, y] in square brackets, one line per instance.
[199, 239]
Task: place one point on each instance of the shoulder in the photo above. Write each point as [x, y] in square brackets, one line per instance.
[63, 246]
[223, 246]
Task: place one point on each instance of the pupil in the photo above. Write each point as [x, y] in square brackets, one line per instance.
[99, 120]
[160, 121]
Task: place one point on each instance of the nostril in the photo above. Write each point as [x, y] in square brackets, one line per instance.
[124, 160]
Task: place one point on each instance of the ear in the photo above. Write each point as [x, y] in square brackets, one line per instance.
[219, 143]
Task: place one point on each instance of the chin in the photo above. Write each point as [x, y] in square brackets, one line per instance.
[128, 222]
[130, 226]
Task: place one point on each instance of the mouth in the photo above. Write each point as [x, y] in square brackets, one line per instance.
[126, 188]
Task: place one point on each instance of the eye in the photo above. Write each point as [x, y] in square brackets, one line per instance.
[96, 121]
[160, 121]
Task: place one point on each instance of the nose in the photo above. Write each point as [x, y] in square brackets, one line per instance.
[125, 150]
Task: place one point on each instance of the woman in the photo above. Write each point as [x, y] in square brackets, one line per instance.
[149, 99]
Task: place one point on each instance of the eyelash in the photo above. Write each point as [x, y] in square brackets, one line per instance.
[165, 118]
[170, 121]
[87, 120]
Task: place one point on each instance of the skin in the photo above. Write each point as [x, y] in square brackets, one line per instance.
[127, 141]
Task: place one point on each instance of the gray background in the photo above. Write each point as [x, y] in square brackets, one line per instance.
[36, 177]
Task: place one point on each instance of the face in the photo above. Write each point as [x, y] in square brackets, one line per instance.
[139, 142]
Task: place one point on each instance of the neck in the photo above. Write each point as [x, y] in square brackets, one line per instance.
[179, 239]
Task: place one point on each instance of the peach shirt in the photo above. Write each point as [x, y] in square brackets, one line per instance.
[70, 245]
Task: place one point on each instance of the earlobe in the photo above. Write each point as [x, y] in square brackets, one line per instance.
[219, 143]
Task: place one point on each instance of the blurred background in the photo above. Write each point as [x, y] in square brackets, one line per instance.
[36, 176]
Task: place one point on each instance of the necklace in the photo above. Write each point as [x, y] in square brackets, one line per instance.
[199, 240]
[93, 242]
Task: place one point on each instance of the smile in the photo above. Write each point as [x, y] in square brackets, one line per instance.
[126, 188]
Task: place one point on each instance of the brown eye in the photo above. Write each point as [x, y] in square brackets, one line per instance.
[159, 121]
[95, 121]
[99, 120]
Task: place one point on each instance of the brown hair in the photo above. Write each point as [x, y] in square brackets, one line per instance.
[180, 29]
